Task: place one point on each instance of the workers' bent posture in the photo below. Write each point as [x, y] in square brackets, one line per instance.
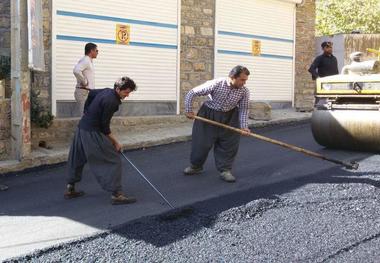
[227, 103]
[95, 145]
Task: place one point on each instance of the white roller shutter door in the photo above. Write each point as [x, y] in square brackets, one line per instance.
[272, 23]
[151, 58]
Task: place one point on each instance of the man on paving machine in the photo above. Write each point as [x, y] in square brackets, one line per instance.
[95, 145]
[227, 104]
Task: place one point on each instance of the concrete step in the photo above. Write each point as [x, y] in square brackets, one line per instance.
[62, 129]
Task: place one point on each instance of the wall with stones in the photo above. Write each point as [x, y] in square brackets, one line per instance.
[5, 128]
[197, 50]
[41, 81]
[5, 38]
[5, 27]
[5, 104]
[305, 52]
[197, 45]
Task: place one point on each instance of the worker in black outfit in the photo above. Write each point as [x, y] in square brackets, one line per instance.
[95, 145]
[325, 64]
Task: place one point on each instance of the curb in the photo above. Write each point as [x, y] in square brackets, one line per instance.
[40, 160]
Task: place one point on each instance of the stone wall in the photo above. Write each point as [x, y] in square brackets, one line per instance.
[5, 104]
[305, 36]
[62, 130]
[197, 50]
[5, 27]
[5, 37]
[41, 81]
[197, 45]
[5, 128]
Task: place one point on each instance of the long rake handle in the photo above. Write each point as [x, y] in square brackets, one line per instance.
[146, 179]
[352, 165]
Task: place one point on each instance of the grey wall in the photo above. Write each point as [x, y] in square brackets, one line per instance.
[338, 47]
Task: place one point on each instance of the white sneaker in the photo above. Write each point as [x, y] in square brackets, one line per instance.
[227, 176]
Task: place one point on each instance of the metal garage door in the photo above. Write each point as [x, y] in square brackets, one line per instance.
[267, 24]
[150, 58]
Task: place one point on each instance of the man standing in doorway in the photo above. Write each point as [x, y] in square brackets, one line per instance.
[228, 104]
[95, 145]
[84, 72]
[325, 64]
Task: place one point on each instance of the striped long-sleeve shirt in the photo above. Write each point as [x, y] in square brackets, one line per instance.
[221, 97]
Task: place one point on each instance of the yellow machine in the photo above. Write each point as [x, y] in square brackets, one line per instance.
[347, 107]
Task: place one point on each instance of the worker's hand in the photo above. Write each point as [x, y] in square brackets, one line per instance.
[245, 131]
[190, 115]
[117, 146]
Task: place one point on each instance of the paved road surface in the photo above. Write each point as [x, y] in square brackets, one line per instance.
[281, 197]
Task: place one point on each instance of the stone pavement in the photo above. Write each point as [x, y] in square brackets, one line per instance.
[137, 138]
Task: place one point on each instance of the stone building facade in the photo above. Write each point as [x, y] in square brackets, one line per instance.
[5, 28]
[196, 53]
[304, 86]
[5, 127]
[5, 40]
[197, 44]
[41, 81]
[5, 105]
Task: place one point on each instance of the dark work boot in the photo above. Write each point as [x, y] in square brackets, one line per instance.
[119, 198]
[71, 193]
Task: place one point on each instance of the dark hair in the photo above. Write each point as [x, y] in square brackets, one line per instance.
[88, 47]
[125, 83]
[326, 44]
[237, 70]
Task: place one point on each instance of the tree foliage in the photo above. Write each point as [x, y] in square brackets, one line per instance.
[337, 16]
[39, 115]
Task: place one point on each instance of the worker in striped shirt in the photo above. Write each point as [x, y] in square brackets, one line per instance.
[227, 103]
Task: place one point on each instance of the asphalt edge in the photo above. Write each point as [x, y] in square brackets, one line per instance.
[47, 161]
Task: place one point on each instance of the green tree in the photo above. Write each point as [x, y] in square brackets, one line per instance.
[345, 16]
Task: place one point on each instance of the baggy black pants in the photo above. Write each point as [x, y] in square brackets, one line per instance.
[95, 149]
[205, 136]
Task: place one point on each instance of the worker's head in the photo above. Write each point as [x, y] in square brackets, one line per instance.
[239, 76]
[124, 86]
[91, 50]
[327, 47]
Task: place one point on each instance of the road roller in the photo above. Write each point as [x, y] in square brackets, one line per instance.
[347, 107]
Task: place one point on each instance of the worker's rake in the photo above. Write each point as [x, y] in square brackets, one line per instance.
[171, 215]
[351, 165]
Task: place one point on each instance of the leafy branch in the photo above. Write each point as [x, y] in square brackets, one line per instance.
[39, 115]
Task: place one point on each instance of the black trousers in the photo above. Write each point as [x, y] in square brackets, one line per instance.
[96, 150]
[205, 136]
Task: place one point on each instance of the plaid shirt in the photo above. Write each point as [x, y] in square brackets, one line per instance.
[222, 97]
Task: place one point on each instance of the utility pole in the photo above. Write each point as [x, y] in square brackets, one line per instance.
[20, 82]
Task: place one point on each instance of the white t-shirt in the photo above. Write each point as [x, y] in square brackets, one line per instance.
[84, 72]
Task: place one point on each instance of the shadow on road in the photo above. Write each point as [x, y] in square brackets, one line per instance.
[161, 233]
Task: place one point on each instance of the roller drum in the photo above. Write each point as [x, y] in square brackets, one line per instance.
[347, 129]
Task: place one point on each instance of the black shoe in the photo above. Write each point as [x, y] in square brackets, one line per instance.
[120, 199]
[71, 193]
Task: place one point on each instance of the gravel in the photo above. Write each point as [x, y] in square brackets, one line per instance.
[327, 217]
